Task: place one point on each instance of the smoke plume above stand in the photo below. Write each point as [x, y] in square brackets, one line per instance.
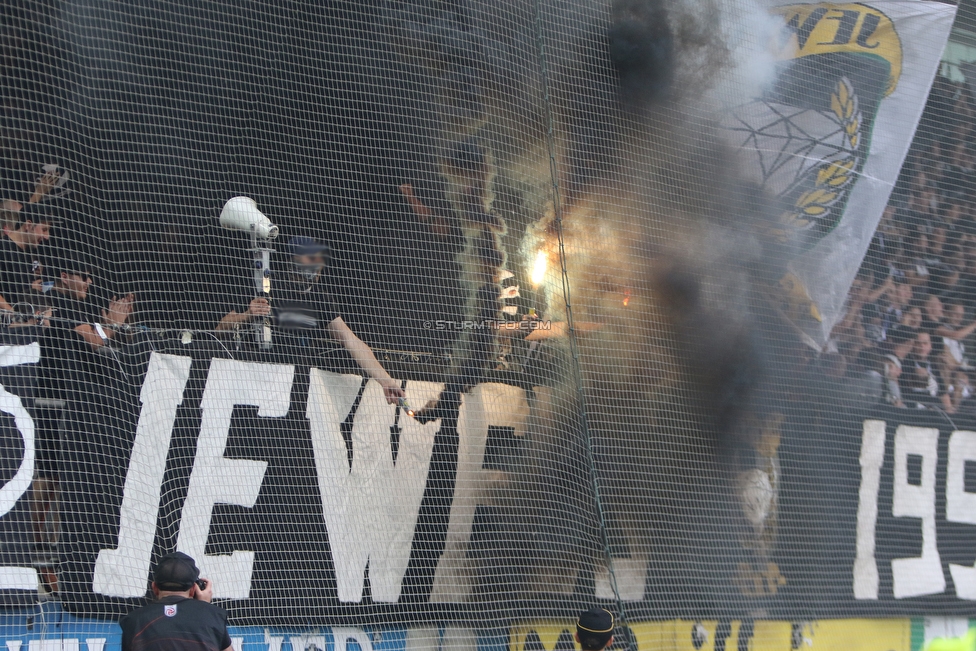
[589, 162]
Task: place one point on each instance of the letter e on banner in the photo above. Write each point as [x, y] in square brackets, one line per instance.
[216, 479]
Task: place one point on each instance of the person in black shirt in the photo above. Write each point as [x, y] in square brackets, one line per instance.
[20, 283]
[302, 306]
[182, 617]
[71, 306]
[74, 327]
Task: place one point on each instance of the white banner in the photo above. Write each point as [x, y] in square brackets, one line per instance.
[830, 136]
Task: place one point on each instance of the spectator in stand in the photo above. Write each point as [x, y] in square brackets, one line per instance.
[897, 301]
[891, 389]
[73, 328]
[954, 380]
[959, 172]
[900, 342]
[952, 331]
[967, 282]
[916, 247]
[932, 313]
[25, 228]
[952, 212]
[872, 320]
[21, 284]
[911, 318]
[71, 307]
[920, 378]
[863, 325]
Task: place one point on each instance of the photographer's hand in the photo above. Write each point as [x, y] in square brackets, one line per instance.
[258, 307]
[204, 595]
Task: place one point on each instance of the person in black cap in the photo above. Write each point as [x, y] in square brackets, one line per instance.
[26, 226]
[71, 305]
[21, 282]
[594, 629]
[301, 306]
[182, 617]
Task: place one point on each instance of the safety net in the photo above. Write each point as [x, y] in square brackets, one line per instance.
[429, 324]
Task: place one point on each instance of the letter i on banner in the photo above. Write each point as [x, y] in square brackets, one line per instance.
[123, 571]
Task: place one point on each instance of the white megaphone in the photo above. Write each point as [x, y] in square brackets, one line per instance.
[242, 214]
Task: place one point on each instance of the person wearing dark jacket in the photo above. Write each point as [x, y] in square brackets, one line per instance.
[181, 618]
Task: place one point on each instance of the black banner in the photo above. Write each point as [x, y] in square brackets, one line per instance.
[306, 497]
[249, 464]
[19, 357]
[297, 485]
[877, 515]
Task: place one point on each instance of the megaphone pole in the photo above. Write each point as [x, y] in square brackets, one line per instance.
[261, 262]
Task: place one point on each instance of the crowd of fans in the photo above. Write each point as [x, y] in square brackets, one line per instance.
[911, 312]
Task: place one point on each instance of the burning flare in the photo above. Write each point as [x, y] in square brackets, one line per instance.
[539, 268]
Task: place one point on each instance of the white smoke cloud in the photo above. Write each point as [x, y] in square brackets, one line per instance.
[753, 36]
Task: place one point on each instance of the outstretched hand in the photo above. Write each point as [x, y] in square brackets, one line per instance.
[45, 184]
[392, 391]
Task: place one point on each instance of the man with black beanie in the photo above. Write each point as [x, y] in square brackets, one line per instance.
[182, 617]
[594, 629]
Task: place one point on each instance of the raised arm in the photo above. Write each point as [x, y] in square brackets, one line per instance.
[959, 334]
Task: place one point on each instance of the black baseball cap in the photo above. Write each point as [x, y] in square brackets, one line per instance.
[300, 245]
[596, 620]
[175, 571]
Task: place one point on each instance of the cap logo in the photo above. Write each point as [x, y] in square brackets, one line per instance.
[169, 610]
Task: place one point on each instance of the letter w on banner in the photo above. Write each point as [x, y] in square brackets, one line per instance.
[371, 507]
[829, 134]
[19, 356]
